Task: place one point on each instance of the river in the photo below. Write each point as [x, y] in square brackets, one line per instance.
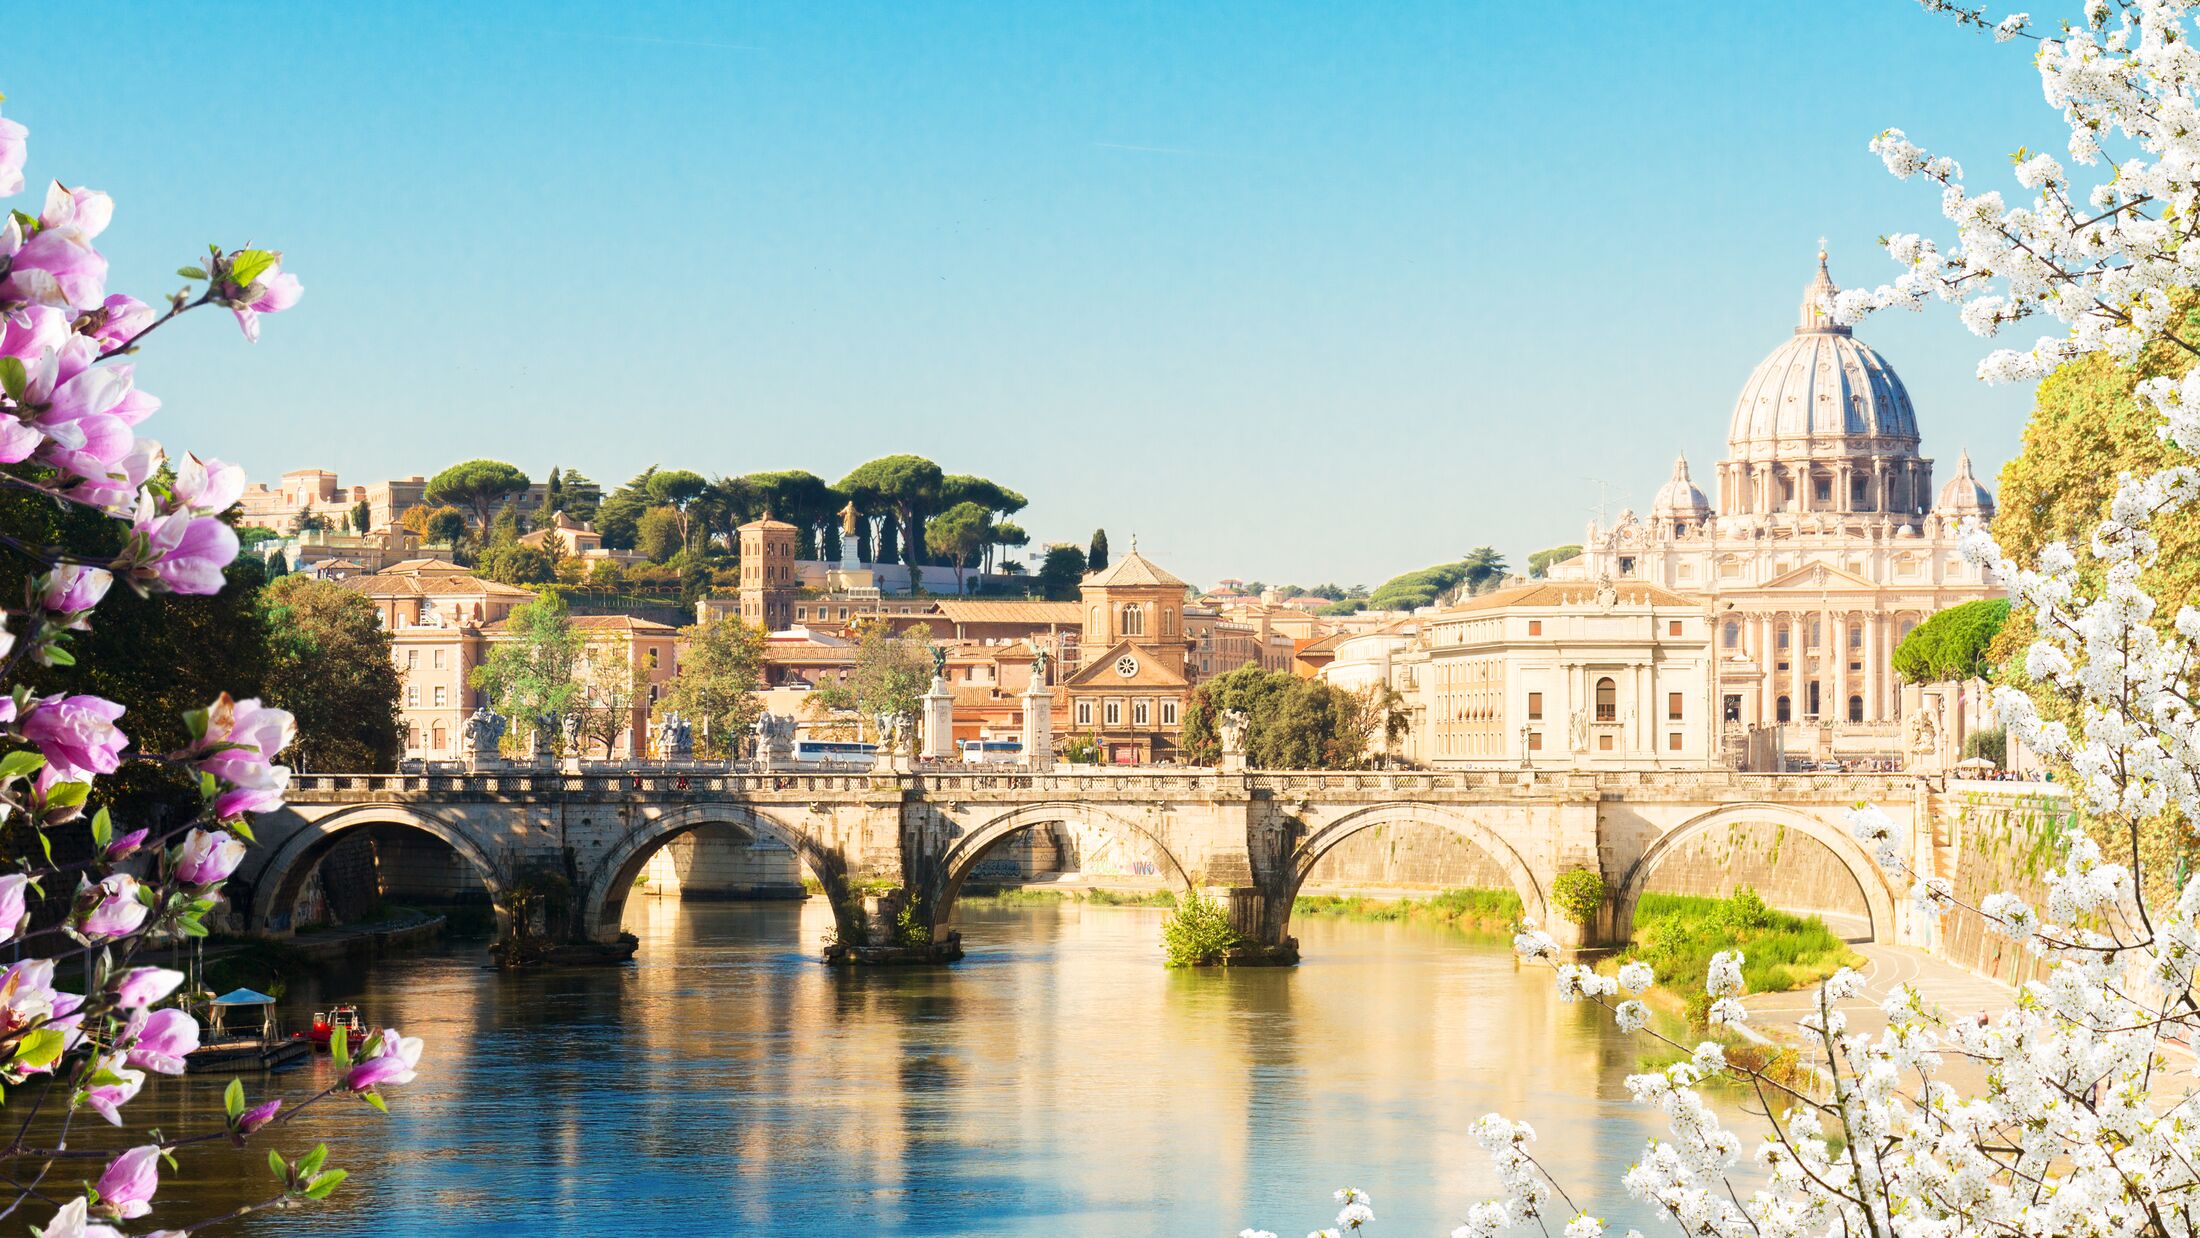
[1057, 1081]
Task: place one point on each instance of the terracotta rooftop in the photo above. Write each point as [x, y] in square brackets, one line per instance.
[601, 623]
[1009, 610]
[1131, 571]
[456, 583]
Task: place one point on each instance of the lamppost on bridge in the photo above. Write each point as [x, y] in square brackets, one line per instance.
[1525, 761]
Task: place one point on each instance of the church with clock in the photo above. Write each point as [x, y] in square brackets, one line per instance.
[1130, 694]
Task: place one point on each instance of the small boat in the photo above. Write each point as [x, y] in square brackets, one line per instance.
[229, 1049]
[325, 1024]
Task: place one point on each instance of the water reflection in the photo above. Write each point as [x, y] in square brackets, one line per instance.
[1059, 1080]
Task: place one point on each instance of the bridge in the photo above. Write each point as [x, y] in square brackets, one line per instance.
[566, 847]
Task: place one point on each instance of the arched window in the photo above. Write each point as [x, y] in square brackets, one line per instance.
[1607, 701]
[1907, 624]
[1733, 634]
[1856, 709]
[1783, 636]
[1095, 625]
[1134, 620]
[1783, 713]
[1856, 636]
[1168, 622]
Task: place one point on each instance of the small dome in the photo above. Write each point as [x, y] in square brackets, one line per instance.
[1822, 384]
[1963, 495]
[1679, 499]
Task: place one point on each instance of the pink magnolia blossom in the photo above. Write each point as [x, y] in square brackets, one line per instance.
[77, 733]
[182, 551]
[109, 1098]
[159, 1041]
[208, 857]
[258, 1116]
[126, 845]
[394, 1062]
[278, 292]
[142, 986]
[19, 440]
[119, 491]
[14, 905]
[207, 486]
[58, 266]
[68, 1017]
[28, 334]
[115, 910]
[72, 589]
[26, 994]
[120, 320]
[14, 149]
[71, 1222]
[126, 1189]
[85, 434]
[260, 732]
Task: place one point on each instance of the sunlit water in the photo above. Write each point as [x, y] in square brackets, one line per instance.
[1057, 1081]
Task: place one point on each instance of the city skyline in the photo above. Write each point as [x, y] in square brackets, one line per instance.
[1168, 276]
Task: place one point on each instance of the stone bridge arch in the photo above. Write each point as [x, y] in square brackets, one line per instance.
[1880, 896]
[611, 879]
[1489, 842]
[963, 854]
[282, 876]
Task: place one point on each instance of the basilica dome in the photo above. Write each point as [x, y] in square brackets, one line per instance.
[1822, 395]
[1679, 499]
[1963, 495]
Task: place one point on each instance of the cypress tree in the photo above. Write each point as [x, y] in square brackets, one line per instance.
[1097, 557]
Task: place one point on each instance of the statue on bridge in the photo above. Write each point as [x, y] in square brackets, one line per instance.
[1579, 728]
[570, 727]
[675, 738]
[775, 738]
[1922, 744]
[1230, 727]
[481, 733]
[939, 664]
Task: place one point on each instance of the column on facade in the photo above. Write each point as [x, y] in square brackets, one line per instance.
[1768, 661]
[1879, 485]
[1837, 638]
[1645, 721]
[1871, 667]
[1796, 662]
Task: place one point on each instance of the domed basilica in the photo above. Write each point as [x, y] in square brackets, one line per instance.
[1827, 544]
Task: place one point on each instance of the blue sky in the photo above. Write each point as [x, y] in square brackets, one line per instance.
[1307, 292]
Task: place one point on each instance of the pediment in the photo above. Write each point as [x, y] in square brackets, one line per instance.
[1819, 576]
[1152, 669]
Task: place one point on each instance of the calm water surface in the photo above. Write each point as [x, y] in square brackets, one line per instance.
[1058, 1081]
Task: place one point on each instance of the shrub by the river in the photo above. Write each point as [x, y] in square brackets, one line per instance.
[1676, 934]
[1579, 894]
[1198, 932]
[1485, 911]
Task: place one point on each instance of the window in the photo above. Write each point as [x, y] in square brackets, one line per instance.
[412, 695]
[1626, 565]
[1084, 713]
[1856, 636]
[653, 659]
[1535, 707]
[436, 658]
[1535, 741]
[1673, 741]
[1856, 709]
[1825, 490]
[437, 743]
[844, 612]
[1535, 627]
[1134, 620]
[412, 658]
[1673, 627]
[1607, 701]
[1815, 635]
[1168, 623]
[1141, 712]
[1673, 706]
[802, 612]
[1732, 636]
[1168, 713]
[1733, 709]
[1814, 710]
[1783, 636]
[1782, 714]
[1604, 743]
[1114, 712]
[442, 695]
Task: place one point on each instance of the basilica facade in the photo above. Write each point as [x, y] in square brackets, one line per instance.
[1828, 542]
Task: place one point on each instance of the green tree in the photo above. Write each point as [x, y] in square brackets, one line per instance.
[610, 687]
[477, 485]
[1953, 644]
[890, 674]
[799, 498]
[1097, 557]
[529, 678]
[329, 664]
[1579, 894]
[1291, 723]
[721, 671]
[908, 486]
[618, 518]
[659, 535]
[579, 496]
[514, 564]
[1005, 534]
[447, 525]
[308, 521]
[1539, 563]
[1060, 571]
[676, 490]
[958, 535]
[362, 517]
[1413, 590]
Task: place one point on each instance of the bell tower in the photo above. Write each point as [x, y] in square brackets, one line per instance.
[768, 583]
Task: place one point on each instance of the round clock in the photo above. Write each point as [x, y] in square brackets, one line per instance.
[1126, 666]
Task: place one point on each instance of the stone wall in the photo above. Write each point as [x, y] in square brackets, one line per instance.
[1407, 856]
[1994, 842]
[1788, 870]
[414, 868]
[723, 862]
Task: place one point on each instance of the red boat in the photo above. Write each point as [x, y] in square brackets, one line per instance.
[325, 1025]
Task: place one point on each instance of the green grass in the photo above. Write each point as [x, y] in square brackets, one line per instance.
[1678, 933]
[1472, 911]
